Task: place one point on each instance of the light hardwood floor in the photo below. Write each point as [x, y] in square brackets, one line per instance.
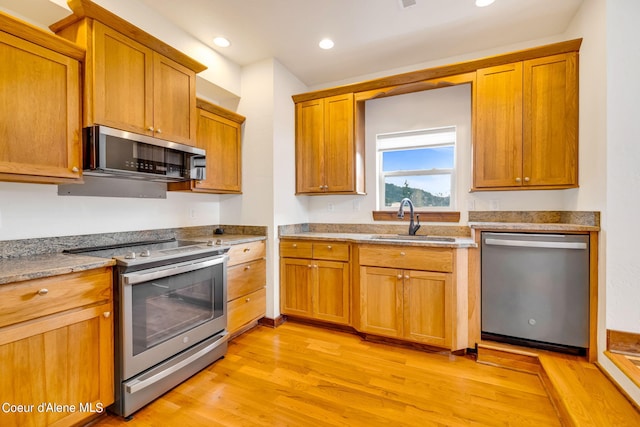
[300, 375]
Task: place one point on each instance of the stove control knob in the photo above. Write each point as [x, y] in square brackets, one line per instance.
[210, 243]
[145, 253]
[130, 255]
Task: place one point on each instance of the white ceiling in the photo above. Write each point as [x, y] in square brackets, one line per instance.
[370, 35]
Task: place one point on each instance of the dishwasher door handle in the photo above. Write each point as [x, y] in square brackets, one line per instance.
[536, 244]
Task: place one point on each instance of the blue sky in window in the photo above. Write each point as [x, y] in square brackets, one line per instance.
[422, 158]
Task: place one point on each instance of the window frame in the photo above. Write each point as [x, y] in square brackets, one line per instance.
[444, 136]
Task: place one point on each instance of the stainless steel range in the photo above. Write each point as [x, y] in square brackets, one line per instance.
[170, 300]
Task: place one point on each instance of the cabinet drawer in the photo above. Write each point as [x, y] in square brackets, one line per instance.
[407, 257]
[246, 309]
[246, 252]
[245, 278]
[296, 249]
[36, 298]
[331, 251]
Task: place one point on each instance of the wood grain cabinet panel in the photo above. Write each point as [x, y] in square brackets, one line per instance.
[246, 283]
[63, 358]
[408, 293]
[526, 125]
[219, 133]
[40, 110]
[328, 158]
[315, 280]
[160, 92]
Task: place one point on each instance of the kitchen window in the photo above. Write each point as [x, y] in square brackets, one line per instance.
[418, 164]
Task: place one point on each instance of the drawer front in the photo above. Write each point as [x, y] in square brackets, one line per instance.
[246, 252]
[36, 298]
[246, 309]
[407, 257]
[331, 251]
[296, 249]
[246, 278]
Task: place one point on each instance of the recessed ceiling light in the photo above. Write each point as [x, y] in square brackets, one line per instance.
[221, 42]
[483, 3]
[326, 44]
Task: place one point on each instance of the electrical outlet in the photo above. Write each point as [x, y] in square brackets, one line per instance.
[471, 204]
[330, 207]
[494, 205]
[357, 205]
[192, 213]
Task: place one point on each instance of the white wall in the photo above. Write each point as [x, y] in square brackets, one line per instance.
[36, 210]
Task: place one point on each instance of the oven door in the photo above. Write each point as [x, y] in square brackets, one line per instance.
[165, 310]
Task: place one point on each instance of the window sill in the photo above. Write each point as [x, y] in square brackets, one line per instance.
[428, 216]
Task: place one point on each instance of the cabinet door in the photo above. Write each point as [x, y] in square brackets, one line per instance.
[296, 280]
[551, 121]
[331, 291]
[66, 360]
[381, 301]
[122, 95]
[427, 312]
[338, 144]
[39, 113]
[220, 138]
[310, 146]
[497, 151]
[174, 101]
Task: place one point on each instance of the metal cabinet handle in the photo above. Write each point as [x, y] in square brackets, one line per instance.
[518, 179]
[526, 179]
[399, 276]
[159, 130]
[329, 247]
[150, 128]
[43, 291]
[295, 245]
[402, 254]
[75, 169]
[106, 314]
[407, 276]
[246, 249]
[248, 267]
[247, 300]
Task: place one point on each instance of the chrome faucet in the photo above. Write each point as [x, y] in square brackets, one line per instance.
[412, 228]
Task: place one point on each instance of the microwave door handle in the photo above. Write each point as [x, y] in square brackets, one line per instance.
[146, 276]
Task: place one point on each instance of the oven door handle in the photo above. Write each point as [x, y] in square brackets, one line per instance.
[153, 274]
[136, 385]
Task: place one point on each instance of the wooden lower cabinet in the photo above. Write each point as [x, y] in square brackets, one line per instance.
[64, 358]
[406, 304]
[246, 281]
[316, 287]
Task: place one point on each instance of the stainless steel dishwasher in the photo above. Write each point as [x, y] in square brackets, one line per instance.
[535, 290]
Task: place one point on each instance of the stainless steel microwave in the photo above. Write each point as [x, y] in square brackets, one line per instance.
[116, 153]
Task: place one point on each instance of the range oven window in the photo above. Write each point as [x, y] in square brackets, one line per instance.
[162, 304]
[166, 307]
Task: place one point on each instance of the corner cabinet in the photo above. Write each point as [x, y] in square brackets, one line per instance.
[526, 125]
[56, 347]
[133, 82]
[315, 280]
[328, 158]
[40, 110]
[413, 294]
[220, 135]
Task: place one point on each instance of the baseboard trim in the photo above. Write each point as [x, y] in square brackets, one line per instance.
[623, 342]
[273, 323]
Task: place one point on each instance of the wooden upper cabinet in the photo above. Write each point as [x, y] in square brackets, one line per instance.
[326, 149]
[219, 133]
[526, 125]
[133, 81]
[40, 115]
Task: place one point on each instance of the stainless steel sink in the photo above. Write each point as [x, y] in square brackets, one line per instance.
[419, 238]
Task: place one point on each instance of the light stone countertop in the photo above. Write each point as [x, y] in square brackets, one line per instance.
[29, 267]
[379, 239]
[528, 226]
[46, 265]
